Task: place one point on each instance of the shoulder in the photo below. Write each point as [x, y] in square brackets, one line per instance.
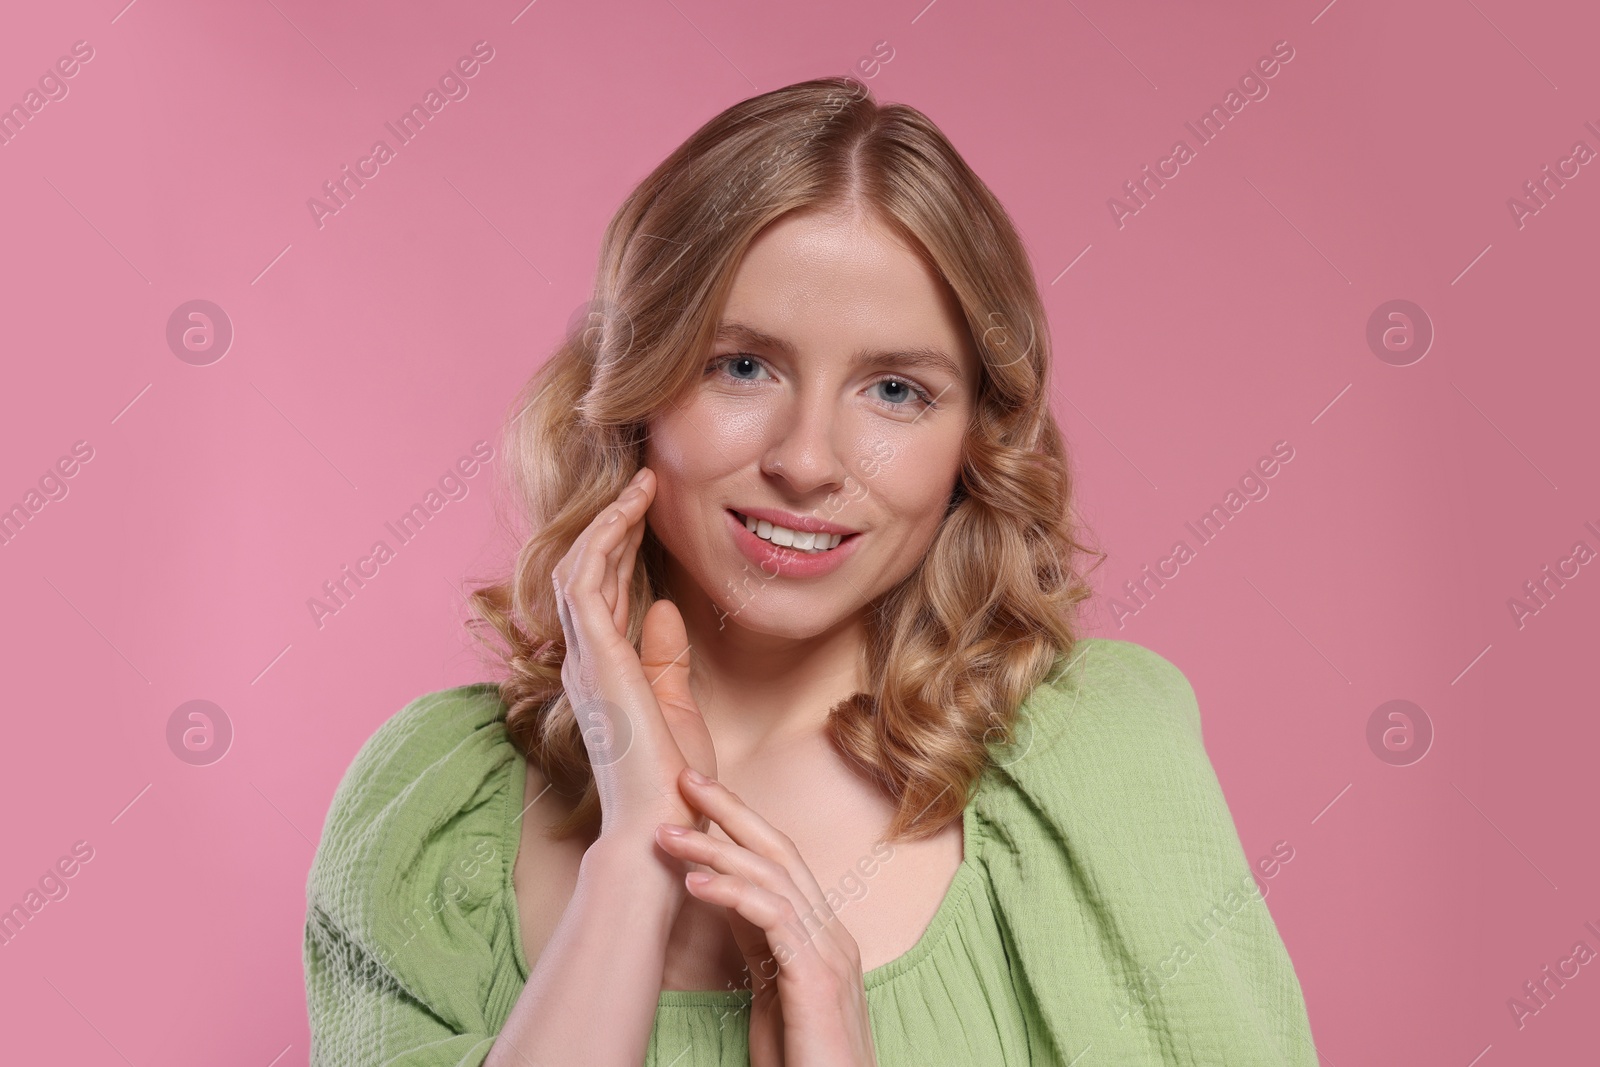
[1116, 696]
[1109, 766]
[1113, 733]
[429, 795]
[458, 725]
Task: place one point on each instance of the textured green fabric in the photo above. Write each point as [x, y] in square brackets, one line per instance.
[1104, 912]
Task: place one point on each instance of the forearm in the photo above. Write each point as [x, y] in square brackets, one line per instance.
[591, 997]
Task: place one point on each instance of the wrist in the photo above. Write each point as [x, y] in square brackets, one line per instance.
[633, 866]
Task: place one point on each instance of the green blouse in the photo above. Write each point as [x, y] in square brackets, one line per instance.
[1104, 912]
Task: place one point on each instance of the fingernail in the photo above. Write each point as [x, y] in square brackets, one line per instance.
[638, 476]
[697, 778]
[675, 831]
[698, 877]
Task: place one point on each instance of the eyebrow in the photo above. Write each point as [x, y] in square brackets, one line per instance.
[921, 356]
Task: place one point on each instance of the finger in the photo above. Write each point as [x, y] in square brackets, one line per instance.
[802, 927]
[628, 551]
[615, 527]
[750, 830]
[619, 556]
[787, 940]
[786, 875]
[580, 601]
[582, 591]
[630, 548]
[770, 911]
[600, 527]
[728, 858]
[724, 857]
[608, 531]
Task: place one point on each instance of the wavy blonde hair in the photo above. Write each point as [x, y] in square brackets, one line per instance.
[955, 648]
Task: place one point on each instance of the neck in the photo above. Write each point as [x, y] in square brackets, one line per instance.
[759, 689]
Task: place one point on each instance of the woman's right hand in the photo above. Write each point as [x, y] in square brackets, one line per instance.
[640, 723]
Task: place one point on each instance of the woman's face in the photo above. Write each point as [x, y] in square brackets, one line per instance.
[813, 413]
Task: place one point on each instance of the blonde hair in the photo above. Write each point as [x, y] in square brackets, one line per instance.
[955, 648]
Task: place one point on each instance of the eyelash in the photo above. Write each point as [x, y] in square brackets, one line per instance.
[922, 394]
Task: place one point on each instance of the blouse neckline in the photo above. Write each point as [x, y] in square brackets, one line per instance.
[943, 916]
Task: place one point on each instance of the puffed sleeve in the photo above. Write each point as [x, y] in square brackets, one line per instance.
[1130, 907]
[408, 942]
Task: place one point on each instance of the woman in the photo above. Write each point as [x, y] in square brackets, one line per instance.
[799, 759]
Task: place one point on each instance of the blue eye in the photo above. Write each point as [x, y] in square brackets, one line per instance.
[747, 363]
[740, 359]
[916, 390]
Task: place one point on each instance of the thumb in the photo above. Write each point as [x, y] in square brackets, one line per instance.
[664, 655]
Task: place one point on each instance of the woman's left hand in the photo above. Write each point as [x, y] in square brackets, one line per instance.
[809, 1003]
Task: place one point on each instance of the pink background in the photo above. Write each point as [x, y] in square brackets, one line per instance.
[371, 353]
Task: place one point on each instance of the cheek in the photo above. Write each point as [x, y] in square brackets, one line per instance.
[911, 490]
[918, 516]
[910, 478]
[693, 456]
[695, 441]
[666, 446]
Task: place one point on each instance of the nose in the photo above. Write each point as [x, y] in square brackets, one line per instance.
[804, 451]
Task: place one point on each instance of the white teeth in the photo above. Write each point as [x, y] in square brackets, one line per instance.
[798, 540]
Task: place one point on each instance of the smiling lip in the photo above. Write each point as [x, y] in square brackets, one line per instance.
[776, 560]
[803, 523]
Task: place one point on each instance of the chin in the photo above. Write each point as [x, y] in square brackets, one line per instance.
[771, 620]
[786, 614]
